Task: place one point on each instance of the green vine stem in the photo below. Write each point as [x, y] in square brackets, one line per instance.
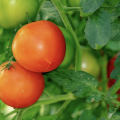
[67, 9]
[62, 108]
[19, 115]
[93, 106]
[47, 93]
[46, 101]
[104, 72]
[68, 26]
[54, 99]
[12, 112]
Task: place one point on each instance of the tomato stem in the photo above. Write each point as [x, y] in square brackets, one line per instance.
[12, 112]
[67, 9]
[93, 106]
[19, 115]
[69, 28]
[62, 108]
[54, 99]
[104, 72]
[47, 93]
[46, 101]
[8, 65]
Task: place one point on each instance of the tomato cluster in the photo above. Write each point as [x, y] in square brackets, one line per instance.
[37, 47]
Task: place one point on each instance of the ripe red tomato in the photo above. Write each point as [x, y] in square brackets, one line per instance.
[20, 88]
[110, 67]
[39, 46]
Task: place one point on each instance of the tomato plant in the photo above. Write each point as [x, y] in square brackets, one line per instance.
[40, 47]
[43, 46]
[13, 12]
[69, 55]
[19, 87]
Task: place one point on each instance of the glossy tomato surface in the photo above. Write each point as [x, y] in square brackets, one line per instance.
[13, 12]
[70, 48]
[39, 46]
[20, 88]
[110, 67]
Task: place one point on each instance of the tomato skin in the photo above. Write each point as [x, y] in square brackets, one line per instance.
[90, 63]
[70, 48]
[39, 46]
[110, 67]
[13, 12]
[20, 88]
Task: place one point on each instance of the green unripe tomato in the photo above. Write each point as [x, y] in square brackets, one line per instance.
[74, 3]
[90, 63]
[70, 48]
[13, 12]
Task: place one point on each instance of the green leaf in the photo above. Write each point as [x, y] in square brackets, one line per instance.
[87, 115]
[2, 117]
[50, 117]
[110, 3]
[103, 119]
[89, 6]
[116, 72]
[113, 46]
[80, 83]
[113, 2]
[49, 12]
[115, 117]
[111, 100]
[116, 86]
[117, 61]
[116, 12]
[30, 113]
[115, 30]
[73, 108]
[98, 29]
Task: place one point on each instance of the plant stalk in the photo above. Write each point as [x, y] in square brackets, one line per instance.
[69, 28]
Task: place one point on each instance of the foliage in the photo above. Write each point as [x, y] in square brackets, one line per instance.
[75, 94]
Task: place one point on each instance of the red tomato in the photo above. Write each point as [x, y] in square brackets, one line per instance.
[20, 88]
[110, 67]
[39, 46]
